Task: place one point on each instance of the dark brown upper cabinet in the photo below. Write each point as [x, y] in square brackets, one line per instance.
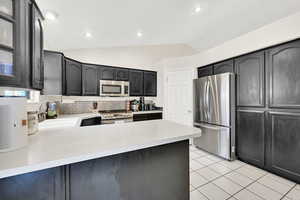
[10, 43]
[136, 79]
[90, 81]
[122, 74]
[21, 44]
[107, 73]
[37, 42]
[73, 78]
[250, 70]
[283, 144]
[223, 67]
[251, 136]
[283, 63]
[150, 83]
[53, 71]
[205, 71]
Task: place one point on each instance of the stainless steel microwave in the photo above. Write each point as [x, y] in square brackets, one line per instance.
[114, 88]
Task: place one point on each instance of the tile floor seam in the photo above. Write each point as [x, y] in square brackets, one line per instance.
[246, 187]
[274, 189]
[256, 181]
[227, 192]
[204, 195]
[289, 192]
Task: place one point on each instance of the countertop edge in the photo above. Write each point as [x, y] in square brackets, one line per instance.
[57, 163]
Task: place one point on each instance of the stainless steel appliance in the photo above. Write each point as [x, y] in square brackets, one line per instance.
[114, 88]
[214, 113]
[116, 117]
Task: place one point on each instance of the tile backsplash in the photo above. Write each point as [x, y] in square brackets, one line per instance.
[78, 105]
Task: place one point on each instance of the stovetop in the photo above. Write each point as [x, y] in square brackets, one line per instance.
[107, 115]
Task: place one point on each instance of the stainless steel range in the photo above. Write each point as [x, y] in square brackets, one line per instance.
[115, 117]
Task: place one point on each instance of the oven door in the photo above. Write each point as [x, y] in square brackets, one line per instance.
[111, 88]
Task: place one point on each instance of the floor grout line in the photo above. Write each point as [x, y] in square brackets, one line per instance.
[236, 171]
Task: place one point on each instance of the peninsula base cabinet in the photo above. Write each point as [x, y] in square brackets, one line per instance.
[160, 173]
[47, 184]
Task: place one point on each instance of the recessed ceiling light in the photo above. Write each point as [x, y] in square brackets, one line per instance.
[50, 15]
[139, 34]
[197, 9]
[88, 35]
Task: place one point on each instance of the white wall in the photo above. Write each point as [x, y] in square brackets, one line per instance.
[280, 31]
[141, 57]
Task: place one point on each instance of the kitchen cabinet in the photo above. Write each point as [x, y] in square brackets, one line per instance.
[150, 83]
[21, 44]
[122, 74]
[90, 82]
[250, 70]
[47, 184]
[146, 116]
[205, 71]
[136, 79]
[223, 67]
[107, 73]
[123, 176]
[251, 136]
[10, 37]
[53, 70]
[37, 71]
[73, 78]
[284, 75]
[283, 144]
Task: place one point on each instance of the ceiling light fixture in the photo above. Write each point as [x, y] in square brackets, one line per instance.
[139, 34]
[88, 35]
[50, 15]
[197, 9]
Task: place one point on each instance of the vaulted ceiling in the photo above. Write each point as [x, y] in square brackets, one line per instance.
[199, 23]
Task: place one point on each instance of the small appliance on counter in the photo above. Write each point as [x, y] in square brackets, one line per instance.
[134, 105]
[13, 123]
[51, 110]
[142, 103]
[33, 122]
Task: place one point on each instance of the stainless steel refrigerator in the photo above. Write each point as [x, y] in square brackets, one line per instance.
[214, 114]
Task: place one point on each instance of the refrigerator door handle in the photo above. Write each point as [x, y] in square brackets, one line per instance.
[206, 101]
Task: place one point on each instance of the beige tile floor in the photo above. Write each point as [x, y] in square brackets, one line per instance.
[212, 178]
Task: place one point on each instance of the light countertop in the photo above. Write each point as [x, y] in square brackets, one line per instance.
[62, 145]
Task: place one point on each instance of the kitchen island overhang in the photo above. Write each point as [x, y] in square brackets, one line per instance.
[145, 159]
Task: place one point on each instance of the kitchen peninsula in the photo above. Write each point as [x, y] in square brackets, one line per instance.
[143, 160]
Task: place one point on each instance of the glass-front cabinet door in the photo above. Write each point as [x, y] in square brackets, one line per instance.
[9, 73]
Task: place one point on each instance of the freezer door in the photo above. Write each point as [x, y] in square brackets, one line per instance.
[215, 140]
[200, 100]
[218, 95]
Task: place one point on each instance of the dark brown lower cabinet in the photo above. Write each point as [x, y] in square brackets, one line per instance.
[283, 144]
[148, 116]
[47, 184]
[251, 136]
[160, 173]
